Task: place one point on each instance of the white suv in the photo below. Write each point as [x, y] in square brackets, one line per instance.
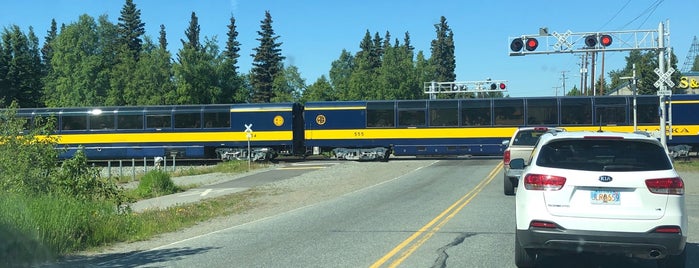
[600, 192]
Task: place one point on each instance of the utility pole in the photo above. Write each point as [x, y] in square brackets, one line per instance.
[564, 82]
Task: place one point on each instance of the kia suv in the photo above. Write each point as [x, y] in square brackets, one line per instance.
[600, 192]
[520, 145]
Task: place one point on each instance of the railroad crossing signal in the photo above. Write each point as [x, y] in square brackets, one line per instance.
[581, 42]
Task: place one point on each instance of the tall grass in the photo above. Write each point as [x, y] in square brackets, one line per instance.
[38, 228]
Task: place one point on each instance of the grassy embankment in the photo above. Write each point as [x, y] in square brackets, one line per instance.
[36, 229]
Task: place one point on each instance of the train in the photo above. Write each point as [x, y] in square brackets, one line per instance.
[352, 130]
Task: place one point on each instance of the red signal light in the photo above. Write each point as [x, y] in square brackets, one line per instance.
[502, 86]
[605, 40]
[532, 44]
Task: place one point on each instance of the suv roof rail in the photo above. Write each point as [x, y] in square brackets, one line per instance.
[641, 132]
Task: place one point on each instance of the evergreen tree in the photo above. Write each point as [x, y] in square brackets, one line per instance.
[192, 33]
[190, 72]
[442, 49]
[47, 49]
[131, 28]
[21, 71]
[267, 61]
[162, 40]
[230, 79]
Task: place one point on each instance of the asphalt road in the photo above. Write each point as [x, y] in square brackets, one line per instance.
[449, 214]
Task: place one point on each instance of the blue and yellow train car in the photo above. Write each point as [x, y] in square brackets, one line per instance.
[182, 131]
[375, 129]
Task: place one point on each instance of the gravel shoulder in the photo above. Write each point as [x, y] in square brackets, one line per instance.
[278, 197]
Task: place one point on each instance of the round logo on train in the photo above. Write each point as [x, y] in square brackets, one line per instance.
[278, 120]
[320, 119]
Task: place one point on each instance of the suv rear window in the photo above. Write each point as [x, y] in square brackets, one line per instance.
[528, 138]
[603, 155]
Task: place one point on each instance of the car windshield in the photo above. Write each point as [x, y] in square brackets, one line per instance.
[603, 155]
[527, 138]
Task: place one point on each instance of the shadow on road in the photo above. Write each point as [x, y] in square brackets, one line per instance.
[150, 258]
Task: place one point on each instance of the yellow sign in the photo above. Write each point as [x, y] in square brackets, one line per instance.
[278, 120]
[320, 119]
[688, 82]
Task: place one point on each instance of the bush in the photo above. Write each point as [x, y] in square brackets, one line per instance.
[156, 183]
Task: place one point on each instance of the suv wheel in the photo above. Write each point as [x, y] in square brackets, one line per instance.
[523, 257]
[673, 261]
[508, 185]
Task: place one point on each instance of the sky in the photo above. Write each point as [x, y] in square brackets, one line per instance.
[313, 33]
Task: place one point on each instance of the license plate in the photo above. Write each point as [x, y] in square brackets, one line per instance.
[605, 197]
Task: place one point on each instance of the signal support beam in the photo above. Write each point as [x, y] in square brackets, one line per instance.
[570, 42]
[434, 88]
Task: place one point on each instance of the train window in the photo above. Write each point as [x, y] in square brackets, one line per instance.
[509, 112]
[542, 111]
[411, 118]
[576, 111]
[188, 120]
[101, 120]
[411, 113]
[74, 122]
[647, 110]
[130, 121]
[610, 111]
[158, 121]
[217, 120]
[475, 112]
[380, 114]
[444, 113]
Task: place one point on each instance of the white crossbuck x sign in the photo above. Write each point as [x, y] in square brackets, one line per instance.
[664, 77]
[562, 43]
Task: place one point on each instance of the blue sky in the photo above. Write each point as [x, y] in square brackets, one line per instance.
[314, 32]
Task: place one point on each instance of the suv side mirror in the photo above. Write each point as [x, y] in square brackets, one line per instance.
[517, 163]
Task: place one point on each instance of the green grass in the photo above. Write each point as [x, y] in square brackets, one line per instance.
[36, 229]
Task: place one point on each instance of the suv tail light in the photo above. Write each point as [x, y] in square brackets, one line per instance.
[667, 230]
[506, 157]
[542, 224]
[543, 182]
[668, 186]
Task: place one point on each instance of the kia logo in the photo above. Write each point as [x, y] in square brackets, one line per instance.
[605, 178]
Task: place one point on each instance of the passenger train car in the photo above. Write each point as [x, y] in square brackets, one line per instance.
[360, 130]
[191, 131]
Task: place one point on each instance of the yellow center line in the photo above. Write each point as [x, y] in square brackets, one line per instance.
[438, 222]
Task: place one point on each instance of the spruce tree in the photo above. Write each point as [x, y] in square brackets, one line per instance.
[162, 40]
[267, 61]
[192, 34]
[230, 79]
[47, 49]
[131, 28]
[442, 49]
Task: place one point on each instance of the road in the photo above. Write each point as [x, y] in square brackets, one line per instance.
[448, 214]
